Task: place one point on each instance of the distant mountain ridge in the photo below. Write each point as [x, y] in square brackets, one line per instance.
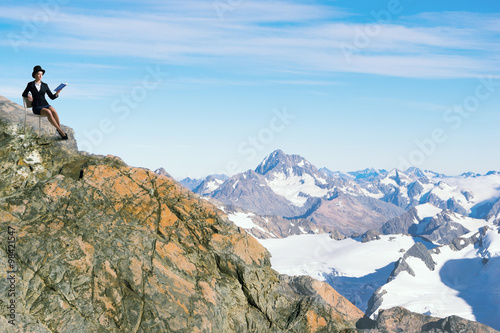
[290, 187]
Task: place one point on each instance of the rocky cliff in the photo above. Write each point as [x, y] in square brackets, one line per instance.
[98, 246]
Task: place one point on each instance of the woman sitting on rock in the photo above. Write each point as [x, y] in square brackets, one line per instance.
[35, 91]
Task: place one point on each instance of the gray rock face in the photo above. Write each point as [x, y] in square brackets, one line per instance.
[352, 214]
[450, 204]
[369, 236]
[401, 266]
[337, 235]
[461, 242]
[418, 250]
[439, 229]
[396, 197]
[494, 214]
[399, 319]
[415, 189]
[400, 224]
[375, 301]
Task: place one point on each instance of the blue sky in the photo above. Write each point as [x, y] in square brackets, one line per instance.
[213, 86]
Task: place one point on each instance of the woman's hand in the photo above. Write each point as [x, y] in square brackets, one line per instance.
[30, 98]
[57, 93]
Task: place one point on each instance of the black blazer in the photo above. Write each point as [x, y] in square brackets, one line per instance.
[38, 96]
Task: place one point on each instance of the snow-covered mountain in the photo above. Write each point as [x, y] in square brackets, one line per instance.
[400, 270]
[293, 177]
[203, 185]
[460, 279]
[250, 191]
[290, 187]
[210, 184]
[433, 223]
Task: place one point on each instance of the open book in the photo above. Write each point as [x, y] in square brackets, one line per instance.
[62, 85]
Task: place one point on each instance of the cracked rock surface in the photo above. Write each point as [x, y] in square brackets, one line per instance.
[104, 247]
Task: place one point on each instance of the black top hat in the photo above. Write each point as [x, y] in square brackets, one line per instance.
[37, 69]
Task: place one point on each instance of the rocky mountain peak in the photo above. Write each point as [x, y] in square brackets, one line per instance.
[398, 177]
[279, 162]
[163, 172]
[415, 173]
[271, 161]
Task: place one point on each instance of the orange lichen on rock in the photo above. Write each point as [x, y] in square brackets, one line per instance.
[97, 175]
[176, 255]
[167, 218]
[141, 175]
[54, 192]
[179, 284]
[55, 226]
[83, 263]
[6, 216]
[339, 303]
[136, 269]
[243, 245]
[249, 249]
[17, 209]
[114, 181]
[315, 322]
[208, 293]
[107, 268]
[123, 186]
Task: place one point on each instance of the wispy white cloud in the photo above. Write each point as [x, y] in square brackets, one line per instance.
[282, 35]
[308, 82]
[10, 92]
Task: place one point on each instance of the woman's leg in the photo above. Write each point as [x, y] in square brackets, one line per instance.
[55, 115]
[49, 114]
